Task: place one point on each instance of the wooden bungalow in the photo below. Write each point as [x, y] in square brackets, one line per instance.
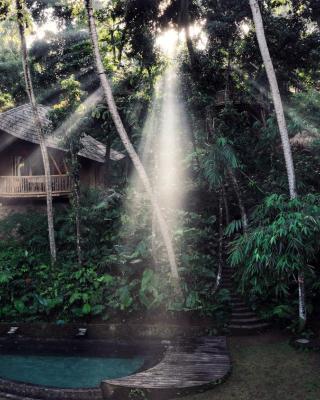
[21, 166]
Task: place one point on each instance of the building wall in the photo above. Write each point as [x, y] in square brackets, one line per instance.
[90, 171]
[11, 147]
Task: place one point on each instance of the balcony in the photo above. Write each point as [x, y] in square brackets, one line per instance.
[222, 98]
[33, 186]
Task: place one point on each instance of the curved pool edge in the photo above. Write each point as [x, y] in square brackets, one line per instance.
[41, 392]
[189, 366]
[16, 390]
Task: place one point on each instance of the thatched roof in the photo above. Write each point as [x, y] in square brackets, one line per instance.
[18, 122]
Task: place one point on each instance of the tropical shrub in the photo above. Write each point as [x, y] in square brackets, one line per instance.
[118, 277]
[283, 240]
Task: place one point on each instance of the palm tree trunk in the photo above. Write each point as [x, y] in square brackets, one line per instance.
[185, 21]
[78, 222]
[154, 238]
[258, 22]
[190, 47]
[302, 302]
[236, 189]
[39, 128]
[74, 172]
[126, 141]
[275, 95]
[107, 174]
[220, 251]
[226, 205]
[228, 74]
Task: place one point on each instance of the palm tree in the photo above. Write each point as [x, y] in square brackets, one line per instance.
[258, 22]
[126, 141]
[37, 121]
[236, 188]
[220, 164]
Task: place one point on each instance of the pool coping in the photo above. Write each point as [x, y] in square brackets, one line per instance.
[190, 365]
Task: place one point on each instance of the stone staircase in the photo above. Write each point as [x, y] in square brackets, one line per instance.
[243, 319]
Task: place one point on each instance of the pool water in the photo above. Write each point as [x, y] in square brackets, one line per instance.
[66, 372]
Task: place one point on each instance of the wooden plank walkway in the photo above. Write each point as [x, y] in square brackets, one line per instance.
[190, 365]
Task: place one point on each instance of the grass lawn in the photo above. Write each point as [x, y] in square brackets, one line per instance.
[266, 368]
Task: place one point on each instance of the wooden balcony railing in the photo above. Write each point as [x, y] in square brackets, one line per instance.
[222, 96]
[33, 186]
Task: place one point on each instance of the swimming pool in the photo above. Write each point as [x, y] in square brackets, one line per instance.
[66, 371]
[69, 369]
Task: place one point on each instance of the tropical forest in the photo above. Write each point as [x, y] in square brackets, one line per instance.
[159, 199]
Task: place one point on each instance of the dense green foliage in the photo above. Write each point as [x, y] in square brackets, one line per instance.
[235, 158]
[117, 278]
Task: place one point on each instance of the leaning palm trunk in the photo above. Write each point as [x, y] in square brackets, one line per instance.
[257, 18]
[126, 141]
[39, 128]
[275, 95]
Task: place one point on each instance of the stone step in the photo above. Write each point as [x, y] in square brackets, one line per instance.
[240, 308]
[237, 300]
[242, 314]
[246, 321]
[245, 327]
[240, 303]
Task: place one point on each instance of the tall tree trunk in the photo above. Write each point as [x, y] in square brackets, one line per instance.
[154, 239]
[190, 47]
[76, 199]
[220, 251]
[38, 125]
[107, 164]
[237, 191]
[78, 221]
[302, 301]
[226, 205]
[185, 21]
[258, 22]
[127, 144]
[228, 73]
[275, 95]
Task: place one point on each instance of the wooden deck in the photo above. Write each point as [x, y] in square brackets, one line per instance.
[191, 365]
[33, 186]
